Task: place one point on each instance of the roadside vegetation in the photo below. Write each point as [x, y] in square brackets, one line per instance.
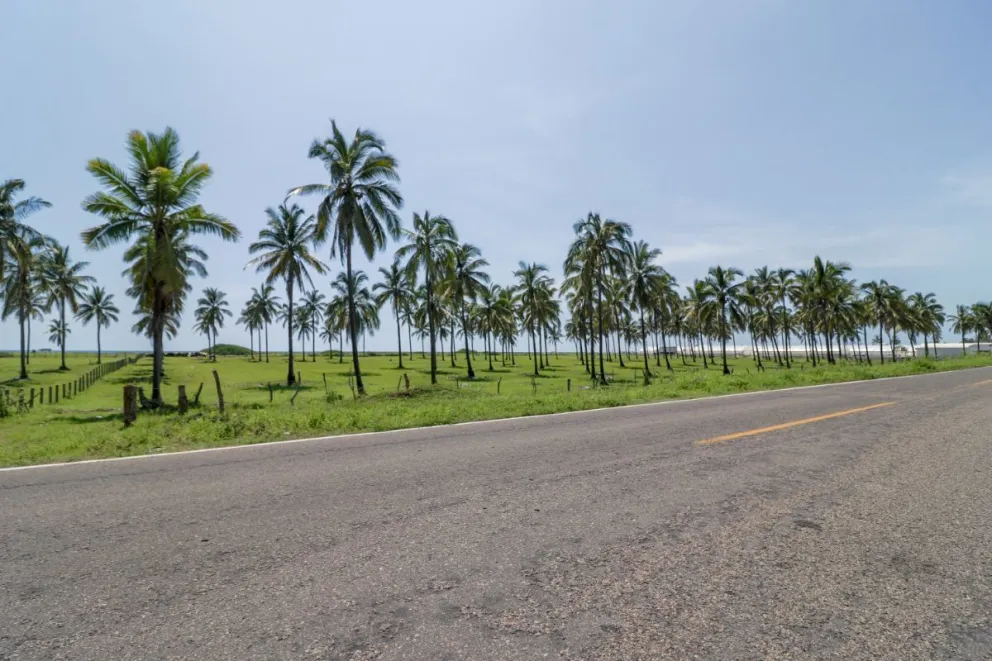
[90, 425]
[466, 345]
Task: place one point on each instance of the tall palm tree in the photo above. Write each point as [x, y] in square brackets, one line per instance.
[265, 304]
[879, 297]
[22, 287]
[981, 322]
[313, 304]
[599, 247]
[211, 309]
[724, 291]
[283, 250]
[963, 322]
[644, 280]
[394, 289]
[97, 305]
[63, 283]
[361, 202]
[154, 202]
[429, 242]
[15, 233]
[466, 281]
[356, 289]
[533, 283]
[57, 332]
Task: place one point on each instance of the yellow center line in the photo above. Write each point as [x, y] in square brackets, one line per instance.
[982, 383]
[788, 425]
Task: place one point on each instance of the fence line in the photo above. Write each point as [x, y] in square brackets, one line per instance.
[26, 398]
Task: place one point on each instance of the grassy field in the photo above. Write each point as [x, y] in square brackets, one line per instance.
[90, 424]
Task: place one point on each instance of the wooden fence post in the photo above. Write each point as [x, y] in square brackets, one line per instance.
[31, 399]
[183, 401]
[220, 393]
[498, 384]
[569, 385]
[270, 392]
[196, 399]
[130, 405]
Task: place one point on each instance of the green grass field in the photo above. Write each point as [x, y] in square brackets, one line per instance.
[90, 425]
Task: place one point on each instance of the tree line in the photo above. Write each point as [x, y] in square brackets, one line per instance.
[615, 293]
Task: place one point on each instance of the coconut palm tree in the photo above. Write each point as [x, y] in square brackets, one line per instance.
[723, 290]
[880, 297]
[22, 286]
[153, 203]
[313, 304]
[211, 309]
[63, 284]
[15, 233]
[358, 204]
[599, 248]
[981, 322]
[394, 289]
[644, 281]
[283, 251]
[533, 284]
[429, 242]
[963, 322]
[264, 304]
[97, 305]
[467, 280]
[57, 332]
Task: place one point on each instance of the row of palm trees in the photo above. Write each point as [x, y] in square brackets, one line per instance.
[614, 293]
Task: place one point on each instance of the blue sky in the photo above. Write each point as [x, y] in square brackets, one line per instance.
[739, 132]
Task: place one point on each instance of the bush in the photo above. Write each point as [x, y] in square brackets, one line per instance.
[229, 350]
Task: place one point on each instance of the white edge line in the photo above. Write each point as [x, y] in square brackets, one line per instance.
[319, 439]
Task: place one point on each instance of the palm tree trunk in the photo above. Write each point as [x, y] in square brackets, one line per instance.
[266, 341]
[62, 334]
[881, 339]
[620, 349]
[399, 337]
[451, 345]
[489, 350]
[644, 346]
[409, 337]
[353, 324]
[341, 347]
[723, 337]
[468, 357]
[702, 350]
[313, 338]
[599, 294]
[430, 323]
[99, 348]
[291, 374]
[158, 343]
[28, 355]
[867, 347]
[24, 361]
[533, 344]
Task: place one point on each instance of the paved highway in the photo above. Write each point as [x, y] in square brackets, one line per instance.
[842, 522]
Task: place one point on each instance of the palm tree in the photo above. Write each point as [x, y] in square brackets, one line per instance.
[264, 304]
[97, 305]
[963, 322]
[304, 327]
[57, 332]
[722, 289]
[210, 313]
[879, 297]
[283, 251]
[15, 234]
[355, 288]
[430, 241]
[533, 284]
[360, 201]
[981, 322]
[599, 248]
[465, 283]
[313, 306]
[155, 203]
[63, 284]
[394, 289]
[644, 281]
[21, 289]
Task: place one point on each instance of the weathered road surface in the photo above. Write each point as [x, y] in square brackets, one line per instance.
[603, 535]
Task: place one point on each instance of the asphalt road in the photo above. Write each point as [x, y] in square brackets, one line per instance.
[619, 534]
